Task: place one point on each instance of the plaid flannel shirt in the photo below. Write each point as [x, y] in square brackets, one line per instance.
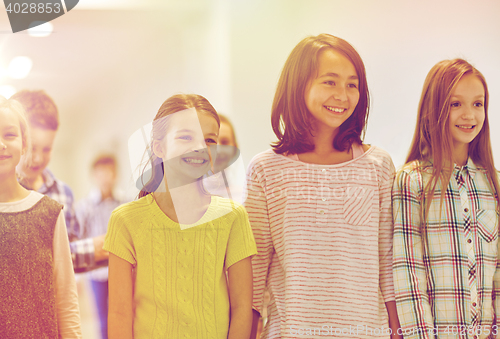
[447, 282]
[82, 251]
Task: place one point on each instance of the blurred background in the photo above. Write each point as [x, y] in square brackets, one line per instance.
[109, 65]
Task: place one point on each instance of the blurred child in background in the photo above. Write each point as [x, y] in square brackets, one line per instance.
[93, 214]
[230, 171]
[43, 120]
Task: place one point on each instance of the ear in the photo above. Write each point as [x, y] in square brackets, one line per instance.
[24, 150]
[158, 149]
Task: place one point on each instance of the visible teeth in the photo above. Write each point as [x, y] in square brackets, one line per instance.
[194, 161]
[333, 109]
[466, 127]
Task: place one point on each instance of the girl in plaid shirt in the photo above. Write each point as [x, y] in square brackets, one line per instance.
[445, 209]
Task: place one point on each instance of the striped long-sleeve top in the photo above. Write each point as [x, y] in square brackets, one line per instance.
[324, 239]
[446, 274]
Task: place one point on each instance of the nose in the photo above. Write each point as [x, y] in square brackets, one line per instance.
[36, 157]
[467, 113]
[2, 144]
[200, 146]
[340, 93]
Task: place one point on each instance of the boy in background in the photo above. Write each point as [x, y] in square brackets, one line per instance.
[43, 120]
[93, 213]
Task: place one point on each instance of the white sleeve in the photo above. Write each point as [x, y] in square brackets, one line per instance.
[68, 312]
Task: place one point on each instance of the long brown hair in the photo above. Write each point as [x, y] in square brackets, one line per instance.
[432, 141]
[175, 103]
[290, 118]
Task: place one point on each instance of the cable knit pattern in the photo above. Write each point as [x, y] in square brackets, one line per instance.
[208, 277]
[180, 283]
[159, 274]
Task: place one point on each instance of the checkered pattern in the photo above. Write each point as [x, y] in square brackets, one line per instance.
[60, 192]
[446, 279]
[82, 251]
[93, 215]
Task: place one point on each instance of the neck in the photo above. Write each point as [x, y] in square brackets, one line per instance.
[106, 194]
[322, 139]
[185, 204]
[34, 183]
[461, 155]
[11, 189]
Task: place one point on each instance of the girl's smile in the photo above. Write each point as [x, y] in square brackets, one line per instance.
[466, 114]
[335, 109]
[194, 161]
[332, 95]
[11, 144]
[185, 149]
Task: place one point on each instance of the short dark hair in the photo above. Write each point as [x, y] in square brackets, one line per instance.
[104, 159]
[41, 111]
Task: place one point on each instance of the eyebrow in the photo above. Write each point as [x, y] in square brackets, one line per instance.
[335, 75]
[185, 130]
[460, 96]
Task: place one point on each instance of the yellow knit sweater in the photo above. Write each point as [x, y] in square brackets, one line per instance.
[180, 288]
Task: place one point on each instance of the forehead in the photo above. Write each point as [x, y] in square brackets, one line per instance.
[193, 120]
[42, 137]
[105, 167]
[9, 119]
[225, 130]
[469, 85]
[334, 62]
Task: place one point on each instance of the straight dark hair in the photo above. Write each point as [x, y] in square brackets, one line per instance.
[290, 118]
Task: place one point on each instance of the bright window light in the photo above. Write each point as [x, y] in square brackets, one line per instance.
[7, 91]
[19, 67]
[3, 72]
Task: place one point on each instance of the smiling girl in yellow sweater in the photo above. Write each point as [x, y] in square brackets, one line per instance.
[171, 248]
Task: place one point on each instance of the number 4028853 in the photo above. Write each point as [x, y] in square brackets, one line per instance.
[32, 8]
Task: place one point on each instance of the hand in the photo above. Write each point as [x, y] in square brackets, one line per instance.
[99, 253]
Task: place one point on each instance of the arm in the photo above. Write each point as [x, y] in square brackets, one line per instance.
[83, 254]
[88, 251]
[68, 312]
[240, 298]
[72, 223]
[393, 319]
[410, 278]
[256, 205]
[496, 296]
[386, 232]
[120, 317]
[496, 290]
[255, 324]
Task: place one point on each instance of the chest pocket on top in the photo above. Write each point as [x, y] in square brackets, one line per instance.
[487, 222]
[358, 204]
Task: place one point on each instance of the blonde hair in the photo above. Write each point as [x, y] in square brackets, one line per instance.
[11, 105]
[432, 141]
